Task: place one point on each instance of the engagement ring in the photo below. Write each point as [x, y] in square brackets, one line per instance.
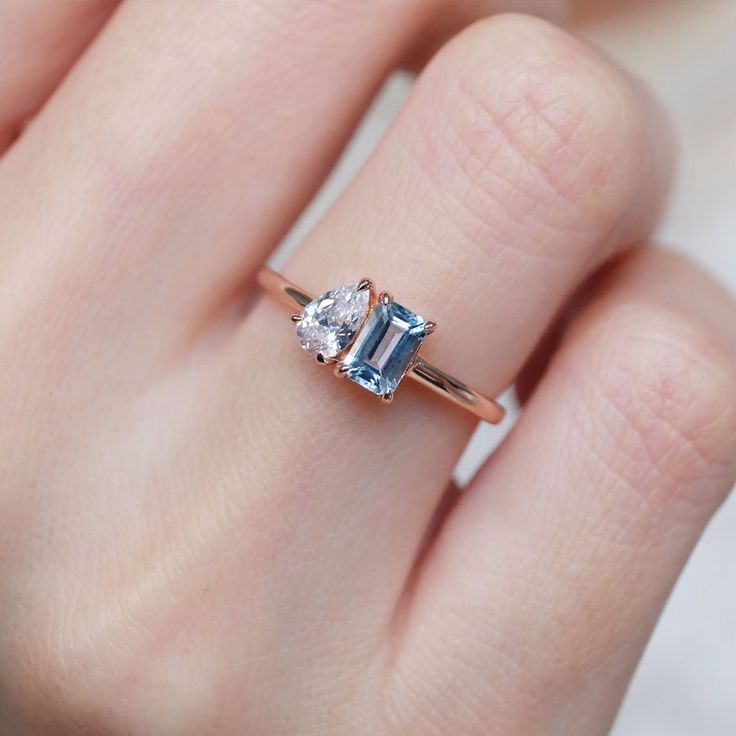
[372, 340]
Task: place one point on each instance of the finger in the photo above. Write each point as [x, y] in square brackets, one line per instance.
[180, 150]
[501, 194]
[536, 365]
[558, 559]
[40, 40]
[464, 12]
[520, 162]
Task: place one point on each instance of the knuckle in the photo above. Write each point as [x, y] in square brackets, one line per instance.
[537, 122]
[669, 386]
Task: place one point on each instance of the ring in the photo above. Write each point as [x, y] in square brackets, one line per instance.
[372, 340]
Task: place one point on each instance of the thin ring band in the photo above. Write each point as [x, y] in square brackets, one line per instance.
[420, 370]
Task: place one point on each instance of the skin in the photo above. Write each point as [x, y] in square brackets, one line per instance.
[202, 533]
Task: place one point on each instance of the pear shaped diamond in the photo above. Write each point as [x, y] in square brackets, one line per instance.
[328, 324]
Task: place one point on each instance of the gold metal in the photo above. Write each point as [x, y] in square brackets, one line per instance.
[421, 370]
[456, 391]
[388, 397]
[296, 318]
[364, 284]
[429, 327]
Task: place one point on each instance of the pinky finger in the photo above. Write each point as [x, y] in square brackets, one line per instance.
[543, 586]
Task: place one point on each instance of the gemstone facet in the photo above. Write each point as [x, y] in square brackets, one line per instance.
[328, 324]
[383, 351]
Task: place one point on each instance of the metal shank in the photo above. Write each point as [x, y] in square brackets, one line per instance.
[421, 371]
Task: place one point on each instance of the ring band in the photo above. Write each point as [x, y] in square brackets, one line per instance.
[372, 340]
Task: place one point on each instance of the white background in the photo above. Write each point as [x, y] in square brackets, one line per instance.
[686, 684]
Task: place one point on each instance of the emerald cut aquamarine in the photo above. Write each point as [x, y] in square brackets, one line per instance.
[384, 348]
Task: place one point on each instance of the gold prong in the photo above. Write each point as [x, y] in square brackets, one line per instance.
[388, 397]
[296, 318]
[341, 370]
[429, 327]
[384, 298]
[364, 284]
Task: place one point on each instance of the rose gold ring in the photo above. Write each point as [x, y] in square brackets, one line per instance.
[372, 340]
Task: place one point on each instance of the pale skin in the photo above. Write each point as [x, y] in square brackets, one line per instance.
[203, 532]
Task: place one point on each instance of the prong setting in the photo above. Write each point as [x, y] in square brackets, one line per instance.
[347, 325]
[325, 360]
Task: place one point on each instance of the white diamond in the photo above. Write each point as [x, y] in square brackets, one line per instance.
[329, 323]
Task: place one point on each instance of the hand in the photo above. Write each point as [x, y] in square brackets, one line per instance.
[203, 533]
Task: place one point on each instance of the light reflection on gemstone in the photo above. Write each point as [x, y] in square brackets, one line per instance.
[383, 352]
[328, 324]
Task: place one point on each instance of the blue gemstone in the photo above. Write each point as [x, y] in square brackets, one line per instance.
[385, 347]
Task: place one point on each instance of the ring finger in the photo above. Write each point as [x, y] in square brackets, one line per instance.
[521, 162]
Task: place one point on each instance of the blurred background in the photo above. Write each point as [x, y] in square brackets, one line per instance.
[686, 51]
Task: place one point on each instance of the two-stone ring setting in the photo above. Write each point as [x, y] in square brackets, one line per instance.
[372, 340]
